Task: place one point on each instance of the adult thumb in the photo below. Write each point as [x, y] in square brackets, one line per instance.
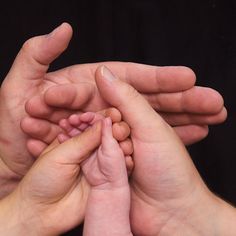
[76, 149]
[37, 53]
[135, 110]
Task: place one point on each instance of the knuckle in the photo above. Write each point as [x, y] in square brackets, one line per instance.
[28, 44]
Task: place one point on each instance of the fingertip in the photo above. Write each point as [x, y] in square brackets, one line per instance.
[63, 27]
[24, 123]
[60, 96]
[69, 96]
[62, 138]
[57, 42]
[74, 119]
[88, 117]
[191, 134]
[126, 98]
[108, 122]
[188, 74]
[121, 131]
[129, 164]
[64, 124]
[223, 115]
[107, 137]
[114, 114]
[35, 147]
[207, 100]
[216, 100]
[127, 147]
[37, 107]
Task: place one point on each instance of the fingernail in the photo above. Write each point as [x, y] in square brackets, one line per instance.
[95, 127]
[106, 73]
[54, 31]
[108, 121]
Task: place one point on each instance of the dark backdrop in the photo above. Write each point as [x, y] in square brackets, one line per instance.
[198, 34]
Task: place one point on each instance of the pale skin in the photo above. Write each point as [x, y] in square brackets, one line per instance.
[170, 198]
[108, 206]
[53, 190]
[58, 184]
[170, 90]
[164, 199]
[78, 123]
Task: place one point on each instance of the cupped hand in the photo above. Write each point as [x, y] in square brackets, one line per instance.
[26, 79]
[50, 97]
[165, 185]
[54, 192]
[169, 90]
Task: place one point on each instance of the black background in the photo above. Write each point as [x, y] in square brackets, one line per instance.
[197, 34]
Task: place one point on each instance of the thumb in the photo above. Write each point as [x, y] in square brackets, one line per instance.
[135, 110]
[37, 53]
[76, 149]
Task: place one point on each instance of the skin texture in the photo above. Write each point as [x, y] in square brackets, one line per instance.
[59, 183]
[53, 190]
[168, 197]
[107, 211]
[164, 199]
[50, 97]
[78, 123]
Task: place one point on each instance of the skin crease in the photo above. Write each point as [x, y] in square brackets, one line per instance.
[58, 184]
[78, 123]
[28, 88]
[54, 189]
[108, 203]
[164, 199]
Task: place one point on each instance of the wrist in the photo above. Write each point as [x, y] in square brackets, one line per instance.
[226, 218]
[8, 179]
[108, 212]
[207, 215]
[15, 218]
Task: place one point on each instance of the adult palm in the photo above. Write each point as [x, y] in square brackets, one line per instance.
[165, 186]
[48, 97]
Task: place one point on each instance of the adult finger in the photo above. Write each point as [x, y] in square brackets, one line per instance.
[40, 129]
[76, 149]
[36, 107]
[113, 113]
[177, 119]
[134, 108]
[120, 131]
[148, 78]
[190, 134]
[38, 52]
[144, 78]
[70, 98]
[198, 100]
[127, 147]
[73, 96]
[36, 147]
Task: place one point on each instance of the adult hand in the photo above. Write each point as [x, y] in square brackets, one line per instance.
[51, 198]
[168, 197]
[25, 79]
[168, 89]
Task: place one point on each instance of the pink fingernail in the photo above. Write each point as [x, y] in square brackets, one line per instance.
[107, 74]
[108, 121]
